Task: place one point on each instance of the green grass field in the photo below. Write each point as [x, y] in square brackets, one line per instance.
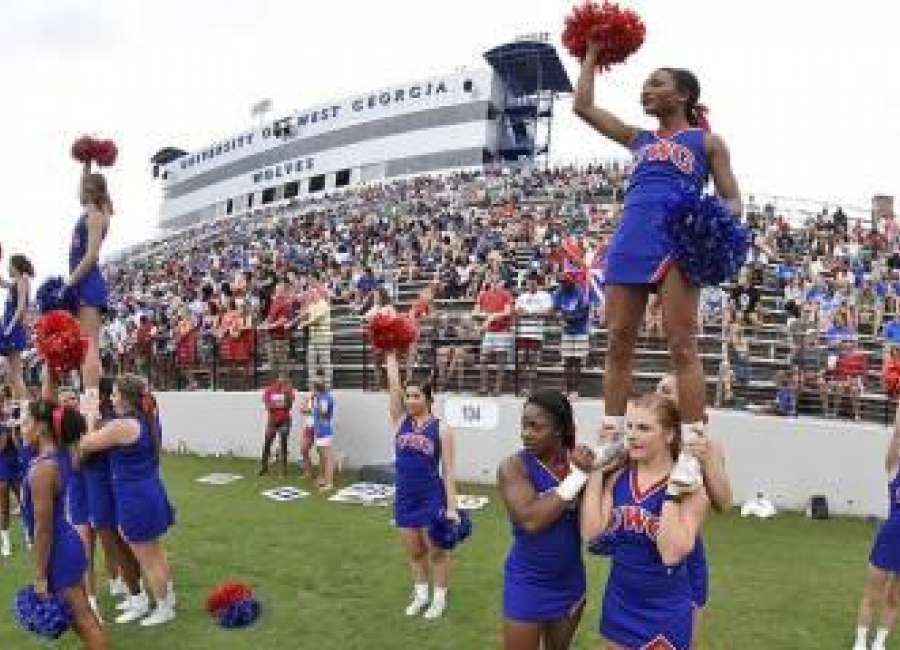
[332, 576]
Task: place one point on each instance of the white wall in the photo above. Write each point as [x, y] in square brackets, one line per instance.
[788, 459]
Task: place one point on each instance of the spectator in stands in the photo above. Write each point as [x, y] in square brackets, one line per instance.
[451, 334]
[739, 353]
[890, 371]
[532, 308]
[792, 296]
[279, 326]
[712, 307]
[143, 347]
[891, 330]
[315, 319]
[420, 311]
[746, 297]
[493, 308]
[840, 329]
[724, 383]
[571, 304]
[278, 398]
[364, 288]
[785, 402]
[846, 379]
[323, 429]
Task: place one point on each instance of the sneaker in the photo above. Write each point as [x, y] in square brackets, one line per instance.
[117, 587]
[686, 476]
[862, 646]
[138, 607]
[436, 610]
[92, 601]
[416, 606]
[162, 614]
[5, 550]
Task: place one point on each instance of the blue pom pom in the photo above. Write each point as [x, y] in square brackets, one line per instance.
[53, 294]
[710, 244]
[49, 617]
[446, 534]
[240, 614]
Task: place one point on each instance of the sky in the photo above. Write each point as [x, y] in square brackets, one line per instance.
[805, 94]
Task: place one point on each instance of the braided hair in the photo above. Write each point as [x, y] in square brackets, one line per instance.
[687, 82]
[558, 407]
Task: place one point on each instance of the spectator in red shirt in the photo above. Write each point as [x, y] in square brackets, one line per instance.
[278, 398]
[493, 308]
[279, 325]
[143, 343]
[419, 311]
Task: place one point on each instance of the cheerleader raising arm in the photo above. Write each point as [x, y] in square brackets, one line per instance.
[395, 388]
[97, 223]
[583, 103]
[680, 521]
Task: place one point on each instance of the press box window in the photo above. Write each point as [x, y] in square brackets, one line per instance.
[268, 195]
[343, 178]
[291, 189]
[229, 206]
[317, 183]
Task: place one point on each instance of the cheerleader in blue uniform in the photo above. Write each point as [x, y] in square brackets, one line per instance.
[142, 506]
[9, 474]
[680, 153]
[650, 528]
[718, 488]
[882, 588]
[543, 579]
[425, 485]
[60, 560]
[13, 337]
[85, 280]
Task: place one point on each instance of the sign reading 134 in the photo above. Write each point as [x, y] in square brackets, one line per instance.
[471, 413]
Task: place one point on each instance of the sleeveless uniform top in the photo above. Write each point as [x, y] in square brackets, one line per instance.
[91, 288]
[418, 453]
[544, 576]
[661, 163]
[137, 461]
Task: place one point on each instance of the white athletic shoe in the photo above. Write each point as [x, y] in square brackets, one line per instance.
[436, 610]
[117, 587]
[862, 646]
[416, 606]
[137, 607]
[162, 614]
[5, 549]
[686, 476]
[92, 601]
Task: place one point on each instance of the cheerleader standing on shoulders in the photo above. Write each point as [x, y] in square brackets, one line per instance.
[425, 484]
[544, 581]
[13, 338]
[85, 279]
[640, 258]
[59, 557]
[143, 511]
[718, 489]
[650, 529]
[882, 588]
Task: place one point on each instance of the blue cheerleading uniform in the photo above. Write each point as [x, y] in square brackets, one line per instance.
[698, 574]
[98, 489]
[67, 561]
[641, 252]
[142, 507]
[17, 339]
[76, 497]
[885, 553]
[9, 459]
[544, 578]
[419, 492]
[645, 601]
[91, 288]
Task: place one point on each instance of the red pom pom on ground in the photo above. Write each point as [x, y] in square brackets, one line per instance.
[227, 593]
[59, 341]
[388, 330]
[620, 32]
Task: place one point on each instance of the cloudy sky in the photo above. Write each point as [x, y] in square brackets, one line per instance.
[806, 94]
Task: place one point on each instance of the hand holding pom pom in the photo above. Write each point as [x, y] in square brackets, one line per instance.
[49, 617]
[446, 532]
[617, 33]
[390, 331]
[59, 341]
[87, 150]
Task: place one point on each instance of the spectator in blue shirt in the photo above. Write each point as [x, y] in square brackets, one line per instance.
[572, 305]
[891, 330]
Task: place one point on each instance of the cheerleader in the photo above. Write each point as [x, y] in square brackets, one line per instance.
[13, 339]
[543, 579]
[718, 488]
[650, 528]
[423, 444]
[9, 474]
[682, 152]
[142, 507]
[85, 279]
[59, 557]
[882, 588]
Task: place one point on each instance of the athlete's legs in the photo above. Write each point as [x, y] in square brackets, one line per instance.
[559, 633]
[518, 635]
[625, 307]
[873, 596]
[89, 319]
[679, 303]
[84, 621]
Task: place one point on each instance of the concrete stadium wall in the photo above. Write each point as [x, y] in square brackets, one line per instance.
[787, 459]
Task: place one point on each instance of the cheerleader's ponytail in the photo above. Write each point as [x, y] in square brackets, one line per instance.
[686, 82]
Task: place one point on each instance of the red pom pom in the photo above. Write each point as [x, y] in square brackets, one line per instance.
[227, 593]
[620, 32]
[105, 153]
[59, 341]
[83, 149]
[388, 330]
